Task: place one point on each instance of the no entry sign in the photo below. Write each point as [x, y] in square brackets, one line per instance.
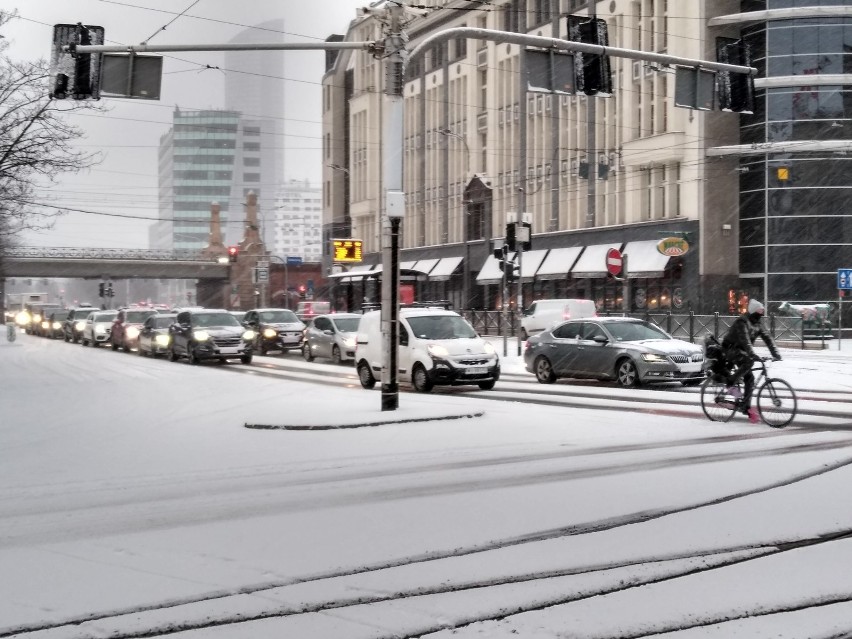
[613, 261]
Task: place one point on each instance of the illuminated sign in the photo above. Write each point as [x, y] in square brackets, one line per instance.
[347, 250]
[673, 246]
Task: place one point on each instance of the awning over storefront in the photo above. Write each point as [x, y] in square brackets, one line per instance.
[356, 272]
[490, 272]
[426, 266]
[592, 262]
[445, 267]
[558, 262]
[644, 260]
[530, 263]
[406, 265]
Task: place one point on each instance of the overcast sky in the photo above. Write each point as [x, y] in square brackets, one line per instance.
[126, 181]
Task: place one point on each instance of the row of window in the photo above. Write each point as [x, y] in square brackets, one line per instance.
[835, 229]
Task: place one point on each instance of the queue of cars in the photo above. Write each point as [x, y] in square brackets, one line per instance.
[437, 346]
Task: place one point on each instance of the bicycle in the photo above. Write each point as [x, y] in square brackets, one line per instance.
[776, 399]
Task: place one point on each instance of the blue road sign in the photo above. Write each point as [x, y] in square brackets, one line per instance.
[294, 260]
[844, 279]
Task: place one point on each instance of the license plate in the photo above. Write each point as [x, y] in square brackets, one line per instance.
[229, 350]
[690, 368]
[477, 370]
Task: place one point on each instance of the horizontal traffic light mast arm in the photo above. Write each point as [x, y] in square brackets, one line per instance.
[570, 45]
[257, 46]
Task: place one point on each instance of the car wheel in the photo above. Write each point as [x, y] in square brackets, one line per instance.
[544, 370]
[67, 339]
[171, 355]
[487, 385]
[365, 375]
[246, 359]
[335, 355]
[523, 335]
[191, 357]
[95, 343]
[420, 379]
[84, 341]
[306, 353]
[626, 373]
[139, 351]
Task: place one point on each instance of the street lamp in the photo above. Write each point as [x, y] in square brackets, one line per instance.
[465, 223]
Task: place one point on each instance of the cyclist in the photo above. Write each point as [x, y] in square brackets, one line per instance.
[737, 345]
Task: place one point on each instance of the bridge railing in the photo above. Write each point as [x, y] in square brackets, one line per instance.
[71, 253]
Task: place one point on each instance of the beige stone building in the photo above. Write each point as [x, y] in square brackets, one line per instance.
[588, 173]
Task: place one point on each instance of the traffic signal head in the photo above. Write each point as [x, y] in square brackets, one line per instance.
[75, 75]
[735, 90]
[233, 252]
[101, 288]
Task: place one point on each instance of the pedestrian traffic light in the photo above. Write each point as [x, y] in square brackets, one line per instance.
[233, 252]
[513, 271]
[109, 291]
[101, 289]
[592, 71]
[511, 235]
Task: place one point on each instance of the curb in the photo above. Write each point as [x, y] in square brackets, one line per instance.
[360, 425]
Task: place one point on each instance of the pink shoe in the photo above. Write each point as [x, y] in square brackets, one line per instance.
[753, 417]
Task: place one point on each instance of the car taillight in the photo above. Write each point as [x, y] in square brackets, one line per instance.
[566, 314]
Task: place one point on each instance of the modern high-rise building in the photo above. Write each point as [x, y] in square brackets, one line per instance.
[197, 161]
[297, 222]
[758, 198]
[254, 87]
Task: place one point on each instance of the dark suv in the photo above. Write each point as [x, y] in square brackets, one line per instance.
[278, 329]
[208, 333]
[75, 322]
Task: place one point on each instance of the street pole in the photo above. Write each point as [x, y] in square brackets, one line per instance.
[505, 304]
[625, 296]
[394, 204]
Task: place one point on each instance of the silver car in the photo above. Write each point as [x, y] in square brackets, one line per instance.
[630, 351]
[98, 327]
[332, 336]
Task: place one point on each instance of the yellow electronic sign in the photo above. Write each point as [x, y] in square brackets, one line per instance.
[347, 250]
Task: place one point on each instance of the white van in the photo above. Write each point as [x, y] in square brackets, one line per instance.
[436, 347]
[543, 314]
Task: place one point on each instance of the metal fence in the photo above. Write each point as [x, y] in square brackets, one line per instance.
[686, 326]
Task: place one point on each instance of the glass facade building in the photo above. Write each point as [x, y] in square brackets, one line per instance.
[796, 180]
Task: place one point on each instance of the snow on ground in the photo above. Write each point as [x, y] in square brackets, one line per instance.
[133, 501]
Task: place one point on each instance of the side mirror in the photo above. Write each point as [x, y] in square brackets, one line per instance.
[600, 339]
[328, 331]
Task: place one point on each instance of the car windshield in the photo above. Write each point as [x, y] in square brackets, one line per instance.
[347, 324]
[103, 317]
[635, 331]
[278, 317]
[214, 319]
[137, 317]
[441, 327]
[163, 321]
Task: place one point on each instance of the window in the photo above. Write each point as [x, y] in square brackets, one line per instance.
[251, 130]
[251, 177]
[251, 146]
[251, 161]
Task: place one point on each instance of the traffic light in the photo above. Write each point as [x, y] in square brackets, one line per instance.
[101, 289]
[233, 252]
[510, 236]
[592, 71]
[75, 75]
[735, 90]
[513, 271]
[506, 266]
[109, 291]
[302, 290]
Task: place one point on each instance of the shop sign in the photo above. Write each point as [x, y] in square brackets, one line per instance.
[673, 246]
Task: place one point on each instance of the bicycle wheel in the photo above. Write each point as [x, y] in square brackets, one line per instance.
[716, 403]
[776, 403]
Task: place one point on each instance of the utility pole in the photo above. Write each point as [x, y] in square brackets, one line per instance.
[394, 204]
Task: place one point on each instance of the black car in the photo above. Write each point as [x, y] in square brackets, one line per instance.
[44, 326]
[75, 322]
[154, 336]
[56, 324]
[206, 333]
[278, 329]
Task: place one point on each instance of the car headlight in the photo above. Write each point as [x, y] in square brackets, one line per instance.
[489, 348]
[249, 335]
[22, 318]
[36, 318]
[349, 342]
[132, 332]
[654, 357]
[163, 340]
[80, 326]
[100, 329]
[45, 325]
[200, 336]
[57, 325]
[436, 350]
[268, 333]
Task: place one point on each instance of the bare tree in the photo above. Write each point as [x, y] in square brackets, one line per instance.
[37, 142]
